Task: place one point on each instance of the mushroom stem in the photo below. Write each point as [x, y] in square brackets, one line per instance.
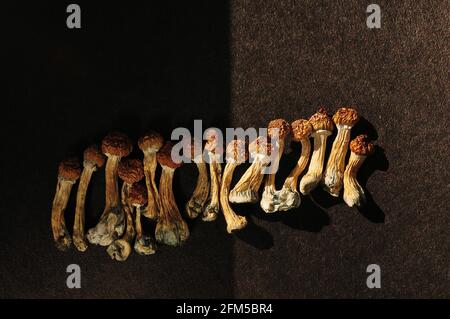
[246, 189]
[270, 199]
[112, 184]
[143, 245]
[198, 199]
[314, 174]
[334, 172]
[60, 234]
[78, 236]
[215, 170]
[353, 192]
[150, 165]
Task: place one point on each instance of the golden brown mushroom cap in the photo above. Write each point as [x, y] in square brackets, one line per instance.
[117, 144]
[361, 145]
[138, 195]
[164, 156]
[70, 169]
[301, 129]
[237, 151]
[321, 121]
[94, 155]
[346, 116]
[151, 140]
[131, 170]
[284, 128]
[260, 146]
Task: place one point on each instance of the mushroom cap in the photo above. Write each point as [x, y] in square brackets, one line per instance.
[361, 145]
[282, 125]
[137, 195]
[131, 170]
[94, 155]
[237, 151]
[346, 116]
[117, 144]
[321, 121]
[151, 140]
[213, 144]
[70, 169]
[260, 146]
[164, 156]
[301, 129]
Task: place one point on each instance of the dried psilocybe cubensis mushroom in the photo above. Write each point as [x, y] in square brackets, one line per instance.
[93, 159]
[130, 172]
[345, 118]
[246, 189]
[150, 143]
[278, 130]
[112, 222]
[69, 171]
[137, 197]
[214, 149]
[322, 128]
[197, 202]
[289, 195]
[360, 148]
[235, 155]
[171, 229]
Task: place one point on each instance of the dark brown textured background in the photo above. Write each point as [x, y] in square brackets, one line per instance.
[238, 63]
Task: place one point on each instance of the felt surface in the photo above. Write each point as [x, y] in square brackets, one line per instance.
[238, 63]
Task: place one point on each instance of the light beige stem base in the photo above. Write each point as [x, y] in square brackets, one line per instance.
[60, 234]
[353, 192]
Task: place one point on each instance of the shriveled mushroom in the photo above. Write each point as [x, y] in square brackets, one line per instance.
[246, 189]
[150, 143]
[130, 171]
[360, 148]
[69, 171]
[171, 229]
[197, 202]
[278, 130]
[138, 197]
[289, 195]
[235, 155]
[93, 159]
[345, 118]
[112, 222]
[322, 128]
[214, 150]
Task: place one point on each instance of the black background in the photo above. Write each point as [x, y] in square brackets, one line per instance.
[237, 63]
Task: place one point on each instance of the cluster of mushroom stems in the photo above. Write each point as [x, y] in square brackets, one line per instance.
[119, 227]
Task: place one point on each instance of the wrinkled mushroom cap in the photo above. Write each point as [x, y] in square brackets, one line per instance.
[284, 128]
[236, 151]
[321, 121]
[164, 156]
[117, 144]
[346, 116]
[137, 195]
[94, 155]
[301, 129]
[151, 141]
[260, 146]
[361, 145]
[131, 170]
[70, 169]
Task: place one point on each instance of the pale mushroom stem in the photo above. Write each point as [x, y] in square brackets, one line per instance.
[78, 236]
[127, 209]
[314, 174]
[334, 172]
[215, 170]
[353, 192]
[60, 234]
[143, 245]
[234, 221]
[201, 192]
[246, 189]
[112, 184]
[292, 179]
[150, 165]
[270, 179]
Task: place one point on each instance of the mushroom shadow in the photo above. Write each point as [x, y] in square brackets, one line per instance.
[308, 216]
[255, 235]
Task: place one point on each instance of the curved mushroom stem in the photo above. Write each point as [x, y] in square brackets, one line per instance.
[171, 229]
[60, 234]
[246, 189]
[334, 172]
[234, 221]
[78, 236]
[198, 199]
[270, 200]
[150, 165]
[215, 170]
[143, 244]
[353, 192]
[289, 195]
[112, 221]
[314, 174]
